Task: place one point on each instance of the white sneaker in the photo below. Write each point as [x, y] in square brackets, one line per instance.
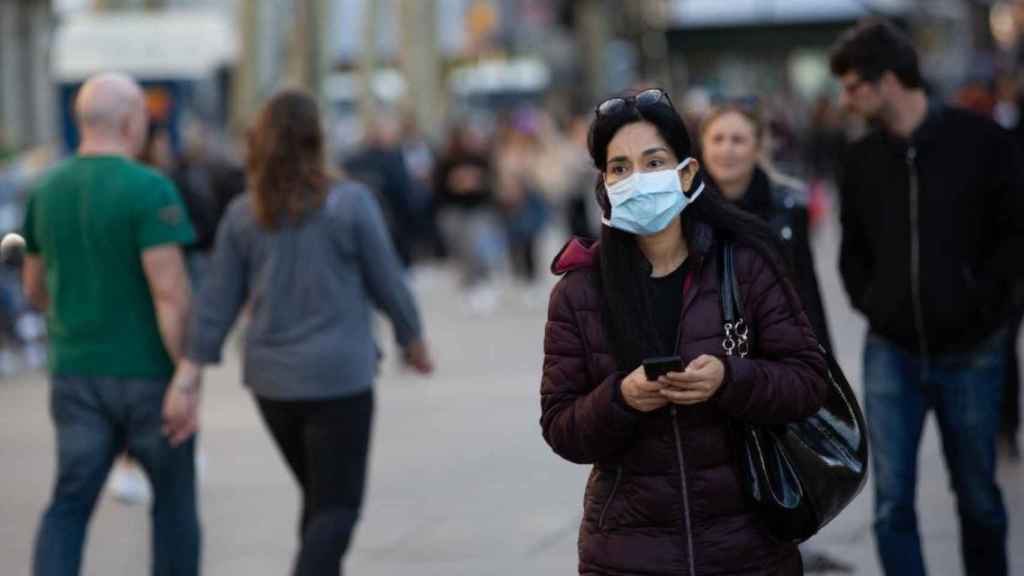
[128, 485]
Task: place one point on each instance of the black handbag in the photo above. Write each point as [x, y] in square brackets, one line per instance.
[798, 475]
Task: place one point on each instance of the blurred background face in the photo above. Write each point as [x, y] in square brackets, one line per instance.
[860, 96]
[731, 149]
[637, 147]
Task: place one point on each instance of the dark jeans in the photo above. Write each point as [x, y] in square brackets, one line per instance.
[97, 419]
[1011, 394]
[326, 444]
[965, 391]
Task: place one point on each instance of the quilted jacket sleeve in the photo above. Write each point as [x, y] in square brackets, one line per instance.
[583, 421]
[785, 376]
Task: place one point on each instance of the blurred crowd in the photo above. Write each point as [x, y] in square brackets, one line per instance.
[484, 195]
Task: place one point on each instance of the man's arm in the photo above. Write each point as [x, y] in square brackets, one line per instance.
[855, 260]
[33, 282]
[1003, 262]
[164, 266]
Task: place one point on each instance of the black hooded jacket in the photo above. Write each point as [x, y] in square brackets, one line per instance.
[933, 232]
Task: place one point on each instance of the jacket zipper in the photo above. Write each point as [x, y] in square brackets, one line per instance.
[686, 494]
[611, 496]
[688, 297]
[915, 251]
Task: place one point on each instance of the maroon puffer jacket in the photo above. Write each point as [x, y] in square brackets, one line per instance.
[664, 495]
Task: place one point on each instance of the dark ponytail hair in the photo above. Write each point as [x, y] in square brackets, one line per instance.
[623, 269]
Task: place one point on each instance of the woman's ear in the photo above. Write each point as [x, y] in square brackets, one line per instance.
[688, 173]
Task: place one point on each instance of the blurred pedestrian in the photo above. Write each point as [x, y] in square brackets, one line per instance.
[421, 161]
[468, 213]
[731, 142]
[380, 164]
[665, 494]
[208, 182]
[103, 236]
[523, 207]
[583, 217]
[312, 257]
[933, 229]
[1007, 112]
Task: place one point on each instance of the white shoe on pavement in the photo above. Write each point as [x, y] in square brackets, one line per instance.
[128, 485]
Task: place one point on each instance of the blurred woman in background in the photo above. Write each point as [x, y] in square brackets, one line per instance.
[311, 258]
[732, 144]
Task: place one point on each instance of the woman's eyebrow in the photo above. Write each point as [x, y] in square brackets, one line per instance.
[651, 151]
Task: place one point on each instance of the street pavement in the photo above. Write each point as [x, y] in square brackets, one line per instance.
[461, 481]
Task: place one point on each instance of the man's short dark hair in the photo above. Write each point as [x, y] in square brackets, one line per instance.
[874, 47]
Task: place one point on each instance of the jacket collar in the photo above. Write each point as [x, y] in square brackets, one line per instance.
[929, 128]
[583, 252]
[577, 253]
[758, 197]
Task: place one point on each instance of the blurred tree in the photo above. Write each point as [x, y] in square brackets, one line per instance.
[368, 61]
[306, 52]
[592, 19]
[422, 65]
[246, 81]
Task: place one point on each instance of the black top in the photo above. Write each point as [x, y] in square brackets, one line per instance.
[472, 172]
[667, 306]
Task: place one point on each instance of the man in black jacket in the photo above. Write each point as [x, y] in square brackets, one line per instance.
[933, 233]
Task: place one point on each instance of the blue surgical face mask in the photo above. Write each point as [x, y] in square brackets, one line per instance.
[646, 202]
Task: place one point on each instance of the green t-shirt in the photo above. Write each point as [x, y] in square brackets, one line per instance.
[90, 219]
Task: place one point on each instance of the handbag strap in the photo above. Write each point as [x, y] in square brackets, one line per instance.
[737, 332]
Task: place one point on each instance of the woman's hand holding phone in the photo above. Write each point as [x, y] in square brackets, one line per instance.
[641, 393]
[698, 383]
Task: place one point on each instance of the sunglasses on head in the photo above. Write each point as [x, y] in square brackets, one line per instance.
[647, 98]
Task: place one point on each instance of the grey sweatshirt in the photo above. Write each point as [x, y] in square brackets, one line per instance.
[311, 287]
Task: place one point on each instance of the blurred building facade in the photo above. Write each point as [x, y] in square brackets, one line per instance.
[749, 47]
[26, 93]
[459, 54]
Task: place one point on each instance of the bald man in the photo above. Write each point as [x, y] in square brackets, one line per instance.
[103, 240]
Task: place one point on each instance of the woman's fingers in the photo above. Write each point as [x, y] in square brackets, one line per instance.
[685, 396]
[685, 381]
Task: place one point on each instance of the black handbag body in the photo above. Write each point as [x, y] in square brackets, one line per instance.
[799, 475]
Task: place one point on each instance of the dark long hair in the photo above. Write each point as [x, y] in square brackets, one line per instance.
[623, 269]
[286, 169]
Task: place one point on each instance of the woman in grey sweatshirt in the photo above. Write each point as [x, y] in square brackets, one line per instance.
[311, 258]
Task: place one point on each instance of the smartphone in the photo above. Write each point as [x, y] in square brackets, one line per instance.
[657, 367]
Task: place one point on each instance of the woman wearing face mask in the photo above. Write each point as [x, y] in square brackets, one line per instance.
[665, 494]
[731, 146]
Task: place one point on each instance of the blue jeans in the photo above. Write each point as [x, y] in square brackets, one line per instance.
[97, 419]
[965, 391]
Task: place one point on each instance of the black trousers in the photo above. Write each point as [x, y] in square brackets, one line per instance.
[326, 445]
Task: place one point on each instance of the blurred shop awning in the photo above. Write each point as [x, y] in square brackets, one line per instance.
[175, 44]
[718, 13]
